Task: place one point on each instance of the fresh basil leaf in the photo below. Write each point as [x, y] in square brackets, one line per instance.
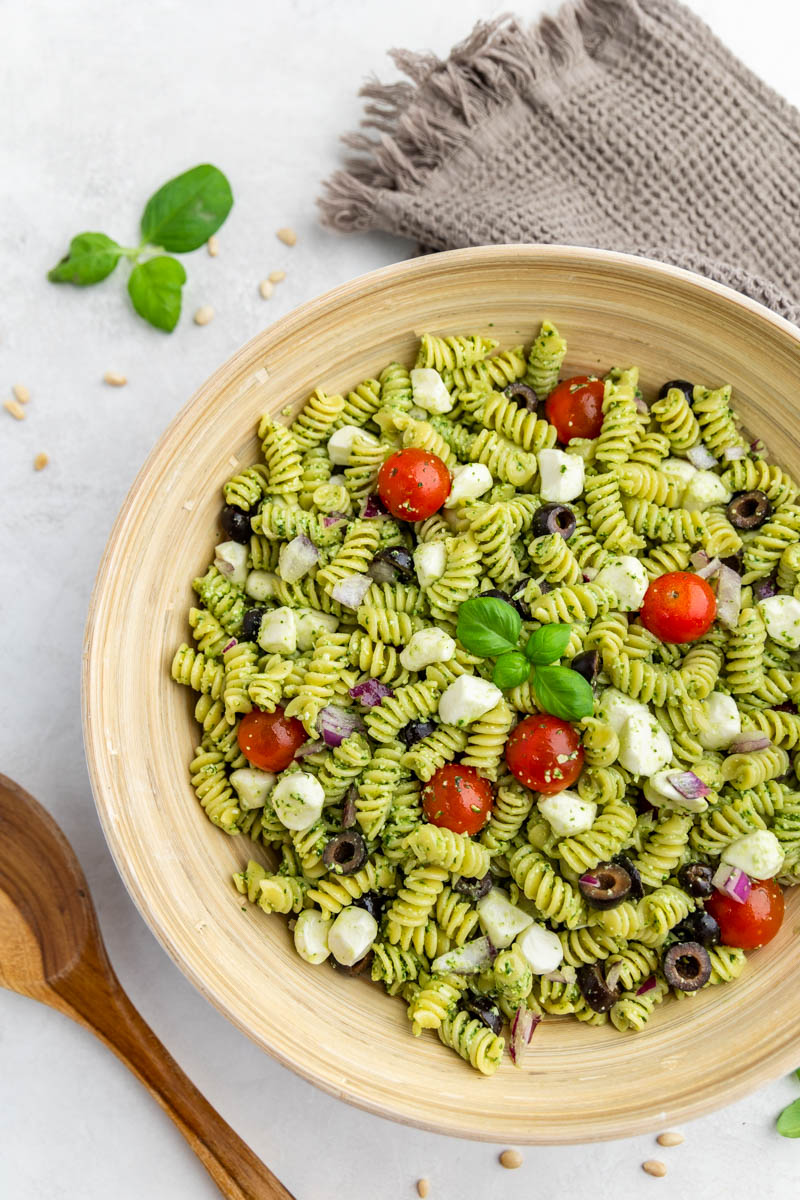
[789, 1120]
[510, 670]
[488, 626]
[548, 643]
[155, 289]
[91, 257]
[185, 212]
[562, 692]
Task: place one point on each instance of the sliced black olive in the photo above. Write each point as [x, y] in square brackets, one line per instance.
[472, 886]
[482, 1008]
[686, 966]
[361, 967]
[498, 595]
[415, 731]
[553, 518]
[345, 852]
[695, 878]
[373, 902]
[748, 510]
[236, 523]
[764, 588]
[699, 927]
[594, 989]
[251, 624]
[682, 385]
[587, 664]
[391, 564]
[637, 887]
[349, 807]
[606, 886]
[522, 394]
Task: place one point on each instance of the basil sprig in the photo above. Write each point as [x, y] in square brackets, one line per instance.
[490, 627]
[179, 217]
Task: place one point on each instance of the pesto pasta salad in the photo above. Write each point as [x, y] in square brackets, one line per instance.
[499, 675]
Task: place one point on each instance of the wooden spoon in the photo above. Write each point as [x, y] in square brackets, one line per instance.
[51, 950]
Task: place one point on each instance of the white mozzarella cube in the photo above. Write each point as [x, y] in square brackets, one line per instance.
[469, 483]
[758, 854]
[501, 920]
[261, 585]
[560, 475]
[252, 786]
[644, 747]
[724, 722]
[678, 468]
[627, 579]
[615, 708]
[466, 699]
[231, 561]
[310, 624]
[541, 948]
[340, 443]
[296, 558]
[782, 618]
[429, 562]
[566, 813]
[705, 488]
[660, 792]
[427, 646]
[351, 935]
[429, 390]
[311, 936]
[298, 799]
[278, 632]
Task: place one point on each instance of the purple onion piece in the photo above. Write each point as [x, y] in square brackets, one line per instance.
[765, 588]
[309, 748]
[336, 723]
[373, 507]
[228, 645]
[690, 786]
[466, 960]
[710, 570]
[349, 807]
[699, 559]
[351, 590]
[333, 518]
[746, 743]
[522, 1029]
[731, 453]
[371, 692]
[701, 457]
[641, 404]
[729, 597]
[590, 880]
[647, 986]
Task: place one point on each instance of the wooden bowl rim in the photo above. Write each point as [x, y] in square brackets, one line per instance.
[777, 1056]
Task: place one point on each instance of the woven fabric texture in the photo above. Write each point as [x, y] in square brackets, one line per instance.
[621, 124]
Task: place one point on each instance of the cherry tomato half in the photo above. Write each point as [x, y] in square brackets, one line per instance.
[753, 923]
[545, 753]
[575, 407]
[270, 740]
[678, 607]
[413, 484]
[457, 798]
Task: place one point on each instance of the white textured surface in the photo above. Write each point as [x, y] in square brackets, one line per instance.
[102, 102]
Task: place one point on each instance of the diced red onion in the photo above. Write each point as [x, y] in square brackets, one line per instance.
[309, 748]
[351, 590]
[467, 959]
[336, 723]
[612, 978]
[382, 571]
[333, 518]
[297, 558]
[349, 807]
[699, 559]
[729, 596]
[227, 647]
[371, 692]
[564, 974]
[731, 453]
[590, 880]
[647, 986]
[709, 570]
[701, 457]
[747, 742]
[690, 786]
[641, 404]
[522, 1027]
[373, 507]
[733, 882]
[764, 588]
[589, 573]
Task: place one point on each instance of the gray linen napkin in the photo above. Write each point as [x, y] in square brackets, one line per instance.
[623, 124]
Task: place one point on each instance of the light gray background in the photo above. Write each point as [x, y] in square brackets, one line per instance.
[101, 102]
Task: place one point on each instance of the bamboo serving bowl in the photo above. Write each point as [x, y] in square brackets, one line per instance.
[345, 1035]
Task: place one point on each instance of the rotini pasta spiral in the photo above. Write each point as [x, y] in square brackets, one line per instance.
[442, 847]
[486, 741]
[676, 419]
[608, 835]
[316, 420]
[430, 753]
[545, 357]
[246, 489]
[450, 353]
[192, 668]
[473, 1041]
[554, 897]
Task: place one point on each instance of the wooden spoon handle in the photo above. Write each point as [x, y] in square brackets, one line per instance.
[233, 1166]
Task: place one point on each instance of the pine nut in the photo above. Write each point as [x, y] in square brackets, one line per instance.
[212, 245]
[287, 236]
[21, 393]
[16, 410]
[41, 461]
[423, 1187]
[277, 276]
[266, 288]
[511, 1159]
[204, 314]
[115, 379]
[670, 1139]
[654, 1167]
